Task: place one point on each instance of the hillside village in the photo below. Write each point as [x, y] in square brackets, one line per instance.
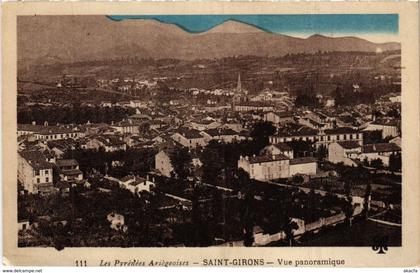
[206, 167]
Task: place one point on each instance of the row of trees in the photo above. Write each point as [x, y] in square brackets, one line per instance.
[72, 114]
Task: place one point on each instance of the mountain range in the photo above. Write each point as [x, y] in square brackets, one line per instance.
[53, 39]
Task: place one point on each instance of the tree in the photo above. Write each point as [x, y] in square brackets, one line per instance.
[212, 159]
[261, 131]
[322, 152]
[366, 201]
[377, 163]
[348, 210]
[288, 228]
[394, 162]
[181, 161]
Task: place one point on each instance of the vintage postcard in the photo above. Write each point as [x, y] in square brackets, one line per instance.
[211, 134]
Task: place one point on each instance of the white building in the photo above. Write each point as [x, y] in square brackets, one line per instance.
[279, 148]
[278, 118]
[225, 135]
[189, 138]
[35, 173]
[125, 127]
[302, 166]
[69, 170]
[268, 167]
[163, 163]
[379, 151]
[388, 128]
[265, 167]
[345, 152]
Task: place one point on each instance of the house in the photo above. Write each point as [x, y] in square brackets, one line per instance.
[237, 127]
[302, 165]
[190, 138]
[303, 133]
[265, 167]
[204, 124]
[389, 128]
[252, 106]
[59, 147]
[106, 104]
[109, 143]
[325, 137]
[396, 140]
[49, 132]
[139, 185]
[329, 102]
[35, 173]
[344, 151]
[116, 220]
[28, 129]
[125, 127]
[279, 148]
[56, 133]
[138, 104]
[278, 118]
[225, 135]
[381, 151]
[69, 170]
[395, 98]
[163, 163]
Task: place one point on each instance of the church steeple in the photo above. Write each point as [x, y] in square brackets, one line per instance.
[239, 85]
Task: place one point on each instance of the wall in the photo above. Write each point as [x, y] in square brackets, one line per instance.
[163, 164]
[306, 168]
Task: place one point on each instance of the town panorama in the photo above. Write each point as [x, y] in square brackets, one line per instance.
[295, 149]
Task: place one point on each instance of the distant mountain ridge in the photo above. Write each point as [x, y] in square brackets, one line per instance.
[49, 39]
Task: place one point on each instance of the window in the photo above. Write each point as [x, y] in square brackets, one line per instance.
[46, 180]
[36, 172]
[38, 180]
[46, 171]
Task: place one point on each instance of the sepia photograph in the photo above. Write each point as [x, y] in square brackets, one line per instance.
[216, 131]
[195, 130]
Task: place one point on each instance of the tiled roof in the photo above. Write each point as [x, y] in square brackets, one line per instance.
[380, 148]
[283, 146]
[302, 160]
[36, 159]
[267, 158]
[341, 130]
[349, 144]
[66, 162]
[71, 172]
[189, 133]
[221, 132]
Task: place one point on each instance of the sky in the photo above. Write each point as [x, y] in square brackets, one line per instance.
[373, 27]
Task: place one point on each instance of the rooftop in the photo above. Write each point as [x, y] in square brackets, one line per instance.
[36, 159]
[341, 130]
[349, 144]
[267, 158]
[380, 148]
[66, 162]
[302, 160]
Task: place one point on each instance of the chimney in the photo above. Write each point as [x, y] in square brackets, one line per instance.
[147, 177]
